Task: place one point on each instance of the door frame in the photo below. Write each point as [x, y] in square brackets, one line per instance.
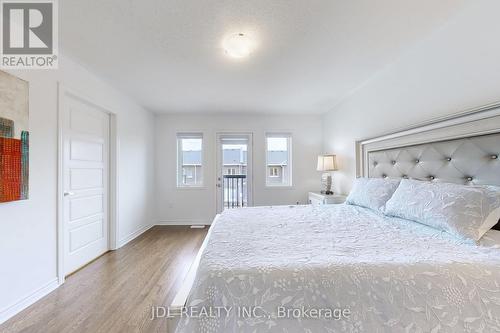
[64, 91]
[218, 160]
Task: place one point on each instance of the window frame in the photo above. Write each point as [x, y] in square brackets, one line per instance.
[289, 183]
[179, 170]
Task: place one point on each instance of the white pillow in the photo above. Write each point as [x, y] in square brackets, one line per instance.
[494, 217]
[372, 193]
[464, 211]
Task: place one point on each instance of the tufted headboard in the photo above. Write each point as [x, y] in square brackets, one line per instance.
[473, 160]
[464, 148]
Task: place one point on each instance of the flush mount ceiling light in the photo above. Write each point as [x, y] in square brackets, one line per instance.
[238, 45]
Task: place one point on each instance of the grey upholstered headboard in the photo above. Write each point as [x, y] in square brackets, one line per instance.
[473, 160]
[464, 149]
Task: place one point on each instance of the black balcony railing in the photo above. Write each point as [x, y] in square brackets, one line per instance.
[235, 191]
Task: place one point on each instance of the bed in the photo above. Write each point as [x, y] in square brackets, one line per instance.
[265, 269]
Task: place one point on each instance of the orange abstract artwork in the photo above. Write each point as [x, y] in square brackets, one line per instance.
[14, 138]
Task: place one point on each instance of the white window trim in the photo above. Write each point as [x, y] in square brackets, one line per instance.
[178, 171]
[287, 135]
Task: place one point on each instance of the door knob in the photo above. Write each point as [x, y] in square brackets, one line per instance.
[67, 194]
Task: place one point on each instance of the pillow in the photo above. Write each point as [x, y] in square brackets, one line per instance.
[466, 212]
[494, 192]
[372, 193]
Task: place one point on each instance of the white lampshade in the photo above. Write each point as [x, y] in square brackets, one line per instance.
[327, 163]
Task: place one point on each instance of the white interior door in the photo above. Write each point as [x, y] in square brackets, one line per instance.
[85, 182]
[234, 170]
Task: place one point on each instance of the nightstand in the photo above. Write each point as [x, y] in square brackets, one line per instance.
[316, 198]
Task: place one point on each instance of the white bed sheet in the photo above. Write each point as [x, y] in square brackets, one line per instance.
[393, 275]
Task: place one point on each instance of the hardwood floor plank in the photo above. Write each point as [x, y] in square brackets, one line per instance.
[115, 293]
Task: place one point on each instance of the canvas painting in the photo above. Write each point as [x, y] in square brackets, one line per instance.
[14, 138]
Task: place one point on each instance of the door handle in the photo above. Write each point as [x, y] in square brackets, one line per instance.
[68, 194]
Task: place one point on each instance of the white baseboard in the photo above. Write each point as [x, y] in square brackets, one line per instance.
[134, 235]
[11, 310]
[184, 222]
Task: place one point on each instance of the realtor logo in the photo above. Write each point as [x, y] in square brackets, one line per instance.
[29, 34]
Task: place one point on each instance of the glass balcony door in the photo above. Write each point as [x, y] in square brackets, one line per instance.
[234, 170]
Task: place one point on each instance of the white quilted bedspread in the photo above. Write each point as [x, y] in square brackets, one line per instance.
[393, 275]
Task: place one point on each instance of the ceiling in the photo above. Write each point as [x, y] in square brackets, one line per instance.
[310, 55]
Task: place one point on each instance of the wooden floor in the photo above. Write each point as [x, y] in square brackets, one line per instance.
[115, 293]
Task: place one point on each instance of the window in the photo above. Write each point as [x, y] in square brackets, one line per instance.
[278, 159]
[273, 172]
[189, 160]
[231, 171]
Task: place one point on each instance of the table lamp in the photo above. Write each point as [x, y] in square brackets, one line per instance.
[327, 163]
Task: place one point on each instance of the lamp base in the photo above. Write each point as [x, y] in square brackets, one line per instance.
[326, 181]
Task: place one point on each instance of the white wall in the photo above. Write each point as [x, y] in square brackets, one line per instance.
[188, 206]
[28, 228]
[456, 68]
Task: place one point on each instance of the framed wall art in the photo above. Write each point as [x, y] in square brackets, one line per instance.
[14, 138]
